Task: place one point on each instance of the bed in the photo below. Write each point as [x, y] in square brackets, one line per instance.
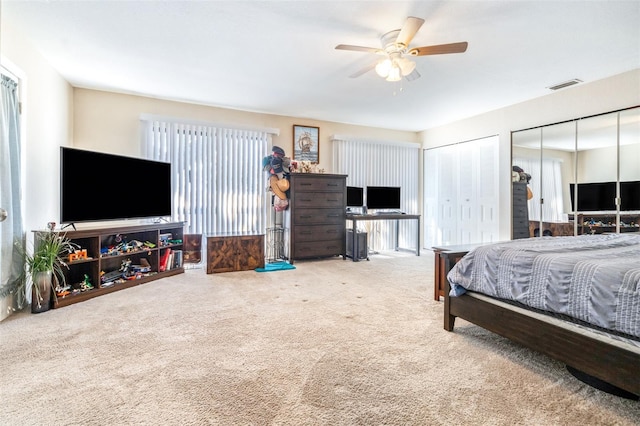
[576, 299]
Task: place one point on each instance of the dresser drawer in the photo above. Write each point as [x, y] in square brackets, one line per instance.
[314, 183]
[319, 232]
[520, 211]
[319, 199]
[520, 223]
[520, 233]
[317, 249]
[318, 216]
[519, 188]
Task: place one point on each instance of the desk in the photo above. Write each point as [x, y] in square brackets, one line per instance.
[355, 218]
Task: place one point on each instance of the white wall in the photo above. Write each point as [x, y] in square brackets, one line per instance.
[600, 165]
[109, 122]
[613, 93]
[46, 115]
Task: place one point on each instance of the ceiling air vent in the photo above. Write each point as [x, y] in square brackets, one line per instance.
[565, 84]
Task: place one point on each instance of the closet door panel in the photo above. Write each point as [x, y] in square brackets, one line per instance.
[431, 182]
[467, 188]
[461, 193]
[447, 195]
[630, 166]
[486, 204]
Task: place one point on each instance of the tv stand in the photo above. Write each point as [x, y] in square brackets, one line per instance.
[104, 252]
[73, 225]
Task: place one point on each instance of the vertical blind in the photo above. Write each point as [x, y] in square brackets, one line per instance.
[548, 189]
[217, 178]
[382, 163]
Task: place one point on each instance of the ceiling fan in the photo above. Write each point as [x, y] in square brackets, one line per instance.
[395, 48]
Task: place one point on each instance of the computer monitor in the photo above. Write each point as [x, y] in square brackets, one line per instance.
[355, 196]
[383, 197]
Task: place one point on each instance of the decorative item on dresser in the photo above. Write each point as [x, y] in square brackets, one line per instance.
[318, 215]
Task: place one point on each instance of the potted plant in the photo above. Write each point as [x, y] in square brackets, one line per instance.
[44, 267]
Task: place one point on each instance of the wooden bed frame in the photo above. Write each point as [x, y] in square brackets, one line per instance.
[610, 363]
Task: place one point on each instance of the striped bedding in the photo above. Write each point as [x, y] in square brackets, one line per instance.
[594, 279]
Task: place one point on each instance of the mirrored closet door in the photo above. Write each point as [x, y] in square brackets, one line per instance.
[582, 176]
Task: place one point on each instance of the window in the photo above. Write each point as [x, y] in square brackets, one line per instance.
[217, 178]
[382, 163]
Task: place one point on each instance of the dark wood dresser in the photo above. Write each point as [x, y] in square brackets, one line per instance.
[318, 215]
[520, 211]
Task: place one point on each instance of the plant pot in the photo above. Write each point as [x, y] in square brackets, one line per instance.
[41, 292]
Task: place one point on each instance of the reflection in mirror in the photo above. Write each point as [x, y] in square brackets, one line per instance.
[630, 170]
[575, 167]
[547, 154]
[526, 152]
[558, 171]
[597, 173]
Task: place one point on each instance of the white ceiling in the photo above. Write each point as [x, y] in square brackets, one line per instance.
[278, 57]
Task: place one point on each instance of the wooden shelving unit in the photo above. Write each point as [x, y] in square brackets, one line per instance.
[102, 257]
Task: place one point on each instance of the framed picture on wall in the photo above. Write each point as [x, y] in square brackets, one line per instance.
[306, 143]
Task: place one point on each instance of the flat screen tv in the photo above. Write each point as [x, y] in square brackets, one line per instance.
[95, 186]
[355, 196]
[630, 196]
[594, 197]
[383, 197]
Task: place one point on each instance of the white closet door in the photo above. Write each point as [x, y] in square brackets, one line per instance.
[487, 190]
[461, 193]
[447, 195]
[430, 197]
[467, 176]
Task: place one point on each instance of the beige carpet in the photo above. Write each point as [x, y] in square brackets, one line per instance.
[330, 343]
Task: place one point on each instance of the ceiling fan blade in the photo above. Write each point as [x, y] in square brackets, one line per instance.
[409, 30]
[439, 49]
[363, 70]
[359, 48]
[413, 76]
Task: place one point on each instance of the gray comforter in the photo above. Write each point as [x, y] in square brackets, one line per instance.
[593, 278]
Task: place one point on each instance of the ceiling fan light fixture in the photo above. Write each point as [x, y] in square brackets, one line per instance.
[395, 73]
[383, 67]
[396, 50]
[407, 66]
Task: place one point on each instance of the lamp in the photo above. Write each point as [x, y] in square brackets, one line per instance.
[394, 67]
[383, 67]
[395, 73]
[406, 66]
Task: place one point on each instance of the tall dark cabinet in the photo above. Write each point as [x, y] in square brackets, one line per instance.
[520, 223]
[318, 215]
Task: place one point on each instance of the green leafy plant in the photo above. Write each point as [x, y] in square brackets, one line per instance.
[49, 253]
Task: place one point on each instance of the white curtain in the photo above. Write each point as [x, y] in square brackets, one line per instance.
[217, 178]
[11, 264]
[548, 189]
[382, 163]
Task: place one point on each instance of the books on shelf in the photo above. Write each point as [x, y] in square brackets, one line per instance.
[170, 259]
